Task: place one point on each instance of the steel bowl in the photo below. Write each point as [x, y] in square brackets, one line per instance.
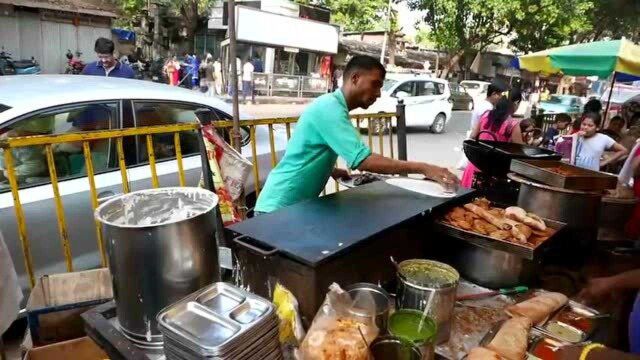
[359, 293]
[394, 348]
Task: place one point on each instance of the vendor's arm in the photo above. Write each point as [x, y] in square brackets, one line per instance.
[383, 165]
[619, 152]
[598, 288]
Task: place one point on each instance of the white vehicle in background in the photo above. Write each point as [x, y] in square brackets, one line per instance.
[477, 89]
[58, 104]
[427, 101]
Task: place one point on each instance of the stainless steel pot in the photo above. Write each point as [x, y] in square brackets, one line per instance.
[573, 207]
[435, 288]
[362, 294]
[161, 248]
[614, 213]
[394, 348]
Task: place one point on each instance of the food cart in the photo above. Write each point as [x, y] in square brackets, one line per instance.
[370, 238]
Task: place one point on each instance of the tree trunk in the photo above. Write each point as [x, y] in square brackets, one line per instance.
[453, 61]
[392, 48]
[155, 49]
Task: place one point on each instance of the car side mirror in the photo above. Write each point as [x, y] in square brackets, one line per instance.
[402, 94]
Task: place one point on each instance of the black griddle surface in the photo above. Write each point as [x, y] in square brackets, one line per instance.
[313, 231]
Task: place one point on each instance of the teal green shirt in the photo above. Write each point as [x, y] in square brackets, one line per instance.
[323, 133]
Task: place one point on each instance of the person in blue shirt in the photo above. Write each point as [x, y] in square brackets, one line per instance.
[107, 64]
[257, 64]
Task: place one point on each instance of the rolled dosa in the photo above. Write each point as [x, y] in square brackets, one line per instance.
[511, 340]
[538, 308]
[480, 353]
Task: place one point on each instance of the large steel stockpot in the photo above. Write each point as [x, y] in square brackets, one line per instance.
[161, 248]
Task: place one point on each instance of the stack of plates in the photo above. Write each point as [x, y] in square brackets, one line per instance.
[220, 322]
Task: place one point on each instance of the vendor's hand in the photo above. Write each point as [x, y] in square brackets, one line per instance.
[597, 289]
[338, 174]
[443, 176]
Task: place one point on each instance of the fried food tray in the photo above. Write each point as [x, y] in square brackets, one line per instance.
[565, 176]
[487, 242]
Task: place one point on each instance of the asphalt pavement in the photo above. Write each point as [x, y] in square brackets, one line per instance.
[440, 149]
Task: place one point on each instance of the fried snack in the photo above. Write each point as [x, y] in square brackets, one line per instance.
[525, 230]
[497, 212]
[457, 213]
[500, 234]
[535, 221]
[480, 353]
[511, 340]
[482, 202]
[529, 219]
[483, 213]
[539, 308]
[479, 226]
[470, 217]
[464, 225]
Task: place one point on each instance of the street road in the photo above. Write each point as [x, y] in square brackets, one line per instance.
[443, 149]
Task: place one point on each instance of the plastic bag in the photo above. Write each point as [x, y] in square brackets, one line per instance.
[291, 330]
[233, 167]
[338, 328]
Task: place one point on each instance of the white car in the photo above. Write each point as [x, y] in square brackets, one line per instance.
[56, 104]
[427, 101]
[477, 89]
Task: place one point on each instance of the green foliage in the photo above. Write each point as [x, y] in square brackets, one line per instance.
[543, 24]
[358, 15]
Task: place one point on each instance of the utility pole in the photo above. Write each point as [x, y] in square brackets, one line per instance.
[386, 33]
[236, 137]
[155, 49]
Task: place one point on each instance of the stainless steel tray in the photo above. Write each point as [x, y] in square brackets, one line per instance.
[218, 320]
[487, 242]
[556, 318]
[575, 179]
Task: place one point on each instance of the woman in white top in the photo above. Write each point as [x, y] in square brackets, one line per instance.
[592, 145]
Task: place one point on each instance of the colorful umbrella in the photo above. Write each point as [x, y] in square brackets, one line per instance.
[599, 58]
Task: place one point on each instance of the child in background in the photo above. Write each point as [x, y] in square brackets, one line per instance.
[561, 122]
[592, 145]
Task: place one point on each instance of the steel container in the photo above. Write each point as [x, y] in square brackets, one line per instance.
[362, 294]
[161, 248]
[394, 348]
[439, 293]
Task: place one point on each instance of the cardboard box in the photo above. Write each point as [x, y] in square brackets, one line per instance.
[56, 302]
[82, 348]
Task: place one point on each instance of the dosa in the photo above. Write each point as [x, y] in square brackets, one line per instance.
[539, 308]
[511, 340]
[480, 353]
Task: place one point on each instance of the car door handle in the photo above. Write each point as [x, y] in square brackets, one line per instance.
[107, 195]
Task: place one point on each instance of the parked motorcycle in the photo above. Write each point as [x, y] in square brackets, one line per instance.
[74, 64]
[8, 66]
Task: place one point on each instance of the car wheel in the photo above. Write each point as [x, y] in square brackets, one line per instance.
[470, 105]
[438, 124]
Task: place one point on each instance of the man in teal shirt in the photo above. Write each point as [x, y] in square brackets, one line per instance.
[325, 132]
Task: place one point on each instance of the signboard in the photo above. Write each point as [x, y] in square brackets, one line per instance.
[252, 25]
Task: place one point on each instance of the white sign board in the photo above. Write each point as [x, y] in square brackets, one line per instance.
[264, 28]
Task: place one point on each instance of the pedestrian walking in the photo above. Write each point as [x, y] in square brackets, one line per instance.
[107, 64]
[258, 66]
[172, 70]
[209, 80]
[247, 81]
[195, 72]
[217, 76]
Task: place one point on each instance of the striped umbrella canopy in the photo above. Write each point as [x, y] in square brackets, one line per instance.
[598, 58]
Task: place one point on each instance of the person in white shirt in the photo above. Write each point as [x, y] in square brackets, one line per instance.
[217, 76]
[494, 92]
[247, 81]
[592, 145]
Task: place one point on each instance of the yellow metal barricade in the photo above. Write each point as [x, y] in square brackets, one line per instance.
[376, 126]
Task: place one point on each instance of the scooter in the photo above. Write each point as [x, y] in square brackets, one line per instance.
[74, 64]
[8, 66]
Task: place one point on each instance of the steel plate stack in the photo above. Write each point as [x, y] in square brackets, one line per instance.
[220, 322]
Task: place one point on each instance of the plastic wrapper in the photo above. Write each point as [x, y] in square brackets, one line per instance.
[233, 167]
[291, 331]
[339, 330]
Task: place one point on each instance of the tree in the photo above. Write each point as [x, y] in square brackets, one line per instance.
[543, 24]
[360, 15]
[189, 14]
[464, 27]
[611, 19]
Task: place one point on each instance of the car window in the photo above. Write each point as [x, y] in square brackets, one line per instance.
[165, 113]
[470, 85]
[4, 107]
[30, 163]
[388, 84]
[406, 87]
[454, 88]
[426, 88]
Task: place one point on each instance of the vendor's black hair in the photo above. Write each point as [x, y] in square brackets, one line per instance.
[363, 62]
[594, 116]
[593, 105]
[617, 118]
[104, 46]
